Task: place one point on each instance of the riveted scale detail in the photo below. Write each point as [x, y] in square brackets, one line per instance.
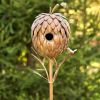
[50, 34]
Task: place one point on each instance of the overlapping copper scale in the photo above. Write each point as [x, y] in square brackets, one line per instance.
[50, 34]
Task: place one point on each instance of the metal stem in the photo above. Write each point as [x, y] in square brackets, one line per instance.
[51, 79]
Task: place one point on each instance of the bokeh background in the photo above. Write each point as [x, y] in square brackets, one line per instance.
[79, 77]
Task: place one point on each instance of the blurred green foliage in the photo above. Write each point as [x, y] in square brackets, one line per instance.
[79, 77]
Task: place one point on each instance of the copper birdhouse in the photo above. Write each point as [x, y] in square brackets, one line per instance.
[50, 34]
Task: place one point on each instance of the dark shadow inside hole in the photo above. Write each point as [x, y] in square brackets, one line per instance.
[49, 36]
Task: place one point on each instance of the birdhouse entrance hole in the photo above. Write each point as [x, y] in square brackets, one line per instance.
[49, 36]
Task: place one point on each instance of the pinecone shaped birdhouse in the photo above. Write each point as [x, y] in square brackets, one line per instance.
[50, 34]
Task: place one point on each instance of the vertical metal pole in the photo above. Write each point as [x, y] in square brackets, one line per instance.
[51, 79]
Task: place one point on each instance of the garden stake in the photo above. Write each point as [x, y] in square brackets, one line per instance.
[51, 78]
[50, 34]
